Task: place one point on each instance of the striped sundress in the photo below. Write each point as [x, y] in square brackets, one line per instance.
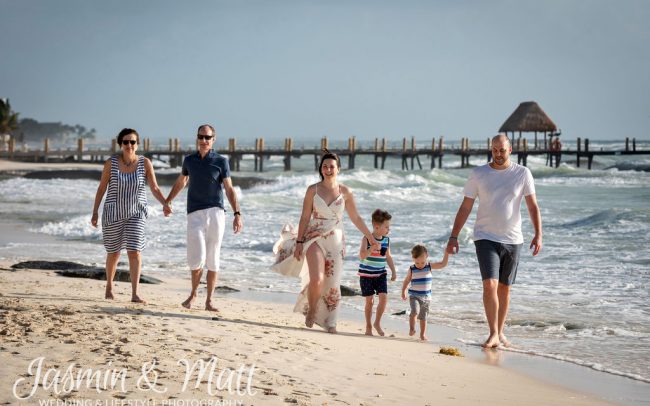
[125, 208]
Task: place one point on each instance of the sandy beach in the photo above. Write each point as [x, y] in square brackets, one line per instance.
[261, 349]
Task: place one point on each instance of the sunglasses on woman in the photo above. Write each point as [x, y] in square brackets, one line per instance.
[127, 142]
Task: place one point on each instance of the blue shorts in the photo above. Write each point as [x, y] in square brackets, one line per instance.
[370, 286]
[497, 260]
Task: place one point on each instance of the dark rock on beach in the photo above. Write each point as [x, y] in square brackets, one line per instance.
[226, 289]
[50, 265]
[403, 312]
[347, 291]
[75, 270]
[121, 275]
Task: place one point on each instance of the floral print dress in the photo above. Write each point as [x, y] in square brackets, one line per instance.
[325, 229]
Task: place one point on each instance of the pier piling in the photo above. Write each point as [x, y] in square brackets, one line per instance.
[380, 150]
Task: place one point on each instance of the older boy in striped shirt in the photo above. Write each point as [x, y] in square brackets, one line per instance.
[372, 269]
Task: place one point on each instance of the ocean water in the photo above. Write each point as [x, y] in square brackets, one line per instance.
[583, 300]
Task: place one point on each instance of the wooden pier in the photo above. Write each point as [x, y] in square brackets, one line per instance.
[409, 154]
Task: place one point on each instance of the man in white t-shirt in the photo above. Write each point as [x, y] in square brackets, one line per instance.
[500, 186]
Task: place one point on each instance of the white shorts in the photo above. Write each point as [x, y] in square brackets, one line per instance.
[204, 234]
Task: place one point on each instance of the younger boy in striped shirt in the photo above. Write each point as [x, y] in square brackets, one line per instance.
[372, 269]
[420, 278]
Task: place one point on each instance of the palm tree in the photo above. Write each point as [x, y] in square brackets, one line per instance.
[8, 119]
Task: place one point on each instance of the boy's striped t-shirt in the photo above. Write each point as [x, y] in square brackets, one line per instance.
[421, 281]
[374, 265]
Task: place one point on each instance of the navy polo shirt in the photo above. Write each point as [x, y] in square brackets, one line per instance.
[206, 180]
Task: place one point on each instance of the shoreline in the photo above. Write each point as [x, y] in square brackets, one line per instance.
[606, 386]
[564, 376]
[293, 363]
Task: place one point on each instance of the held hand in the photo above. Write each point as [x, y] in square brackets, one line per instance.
[375, 245]
[297, 253]
[536, 244]
[452, 246]
[93, 220]
[167, 209]
[237, 224]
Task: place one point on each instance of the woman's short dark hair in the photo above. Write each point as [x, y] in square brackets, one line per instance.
[125, 132]
[327, 155]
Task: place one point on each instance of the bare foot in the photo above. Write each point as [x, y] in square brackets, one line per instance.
[138, 299]
[504, 341]
[491, 342]
[368, 331]
[378, 328]
[109, 295]
[412, 332]
[309, 320]
[188, 303]
[210, 308]
[423, 337]
[331, 330]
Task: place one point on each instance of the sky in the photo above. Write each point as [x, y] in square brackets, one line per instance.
[307, 69]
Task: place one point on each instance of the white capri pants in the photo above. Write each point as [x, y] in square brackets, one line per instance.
[204, 234]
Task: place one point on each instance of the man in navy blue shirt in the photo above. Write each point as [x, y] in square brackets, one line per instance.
[208, 174]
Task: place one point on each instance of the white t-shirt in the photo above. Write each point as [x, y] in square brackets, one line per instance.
[500, 193]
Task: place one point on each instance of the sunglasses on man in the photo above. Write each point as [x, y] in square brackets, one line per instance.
[127, 142]
[205, 137]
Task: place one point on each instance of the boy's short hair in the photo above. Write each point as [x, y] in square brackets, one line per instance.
[379, 216]
[418, 250]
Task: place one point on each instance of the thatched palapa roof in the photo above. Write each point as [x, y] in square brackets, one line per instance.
[528, 117]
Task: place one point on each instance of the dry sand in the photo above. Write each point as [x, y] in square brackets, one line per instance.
[66, 321]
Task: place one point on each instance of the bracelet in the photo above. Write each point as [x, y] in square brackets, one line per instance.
[236, 213]
[451, 237]
[300, 242]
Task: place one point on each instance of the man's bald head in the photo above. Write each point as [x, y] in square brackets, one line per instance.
[501, 139]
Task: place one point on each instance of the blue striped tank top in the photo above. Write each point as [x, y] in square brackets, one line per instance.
[374, 264]
[420, 281]
[126, 196]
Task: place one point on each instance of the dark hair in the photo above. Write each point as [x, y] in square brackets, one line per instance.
[379, 216]
[214, 133]
[418, 250]
[125, 132]
[327, 155]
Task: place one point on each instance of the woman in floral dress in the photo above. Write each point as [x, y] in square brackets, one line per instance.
[315, 252]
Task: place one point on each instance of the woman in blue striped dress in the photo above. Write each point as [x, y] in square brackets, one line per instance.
[125, 175]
